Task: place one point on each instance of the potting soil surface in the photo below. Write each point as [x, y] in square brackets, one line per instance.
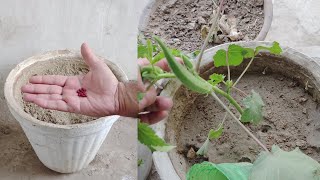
[290, 120]
[179, 22]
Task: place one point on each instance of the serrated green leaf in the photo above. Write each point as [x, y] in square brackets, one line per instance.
[274, 49]
[224, 171]
[282, 165]
[215, 134]
[204, 148]
[253, 111]
[215, 79]
[148, 137]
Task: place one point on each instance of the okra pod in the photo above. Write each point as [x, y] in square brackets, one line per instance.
[187, 78]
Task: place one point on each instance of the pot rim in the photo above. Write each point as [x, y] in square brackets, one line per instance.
[267, 18]
[162, 161]
[47, 56]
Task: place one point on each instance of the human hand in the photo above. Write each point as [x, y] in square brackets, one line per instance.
[105, 95]
[157, 107]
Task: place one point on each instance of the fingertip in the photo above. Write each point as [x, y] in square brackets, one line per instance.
[28, 97]
[153, 117]
[25, 88]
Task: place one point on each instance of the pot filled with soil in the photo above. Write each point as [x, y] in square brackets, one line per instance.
[289, 85]
[64, 142]
[184, 24]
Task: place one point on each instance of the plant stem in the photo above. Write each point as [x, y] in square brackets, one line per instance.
[230, 99]
[227, 61]
[244, 71]
[212, 28]
[165, 75]
[238, 121]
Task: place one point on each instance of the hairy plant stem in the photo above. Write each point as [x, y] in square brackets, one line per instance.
[238, 121]
[230, 98]
[244, 71]
[212, 28]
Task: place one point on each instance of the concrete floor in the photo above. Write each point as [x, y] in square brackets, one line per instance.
[116, 159]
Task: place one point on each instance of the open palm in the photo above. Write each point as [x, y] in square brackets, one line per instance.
[105, 95]
[60, 92]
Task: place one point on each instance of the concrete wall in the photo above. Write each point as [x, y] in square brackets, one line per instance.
[33, 26]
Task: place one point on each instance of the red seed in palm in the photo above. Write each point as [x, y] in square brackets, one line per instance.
[82, 92]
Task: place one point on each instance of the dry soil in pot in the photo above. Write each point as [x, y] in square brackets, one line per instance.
[53, 67]
[290, 116]
[179, 22]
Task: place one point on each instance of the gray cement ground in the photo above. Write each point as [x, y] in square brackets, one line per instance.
[116, 159]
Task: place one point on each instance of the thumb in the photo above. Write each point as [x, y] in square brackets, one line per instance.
[90, 59]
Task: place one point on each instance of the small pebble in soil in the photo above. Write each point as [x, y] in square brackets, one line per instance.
[304, 110]
[82, 92]
[302, 100]
[191, 153]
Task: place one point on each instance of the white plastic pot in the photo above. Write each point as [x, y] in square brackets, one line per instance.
[62, 148]
[291, 63]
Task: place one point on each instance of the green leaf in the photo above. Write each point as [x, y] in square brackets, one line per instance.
[274, 49]
[253, 111]
[282, 165]
[142, 51]
[215, 79]
[219, 58]
[215, 134]
[148, 137]
[140, 96]
[204, 148]
[149, 50]
[235, 56]
[249, 53]
[224, 171]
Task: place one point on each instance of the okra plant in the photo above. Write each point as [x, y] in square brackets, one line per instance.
[250, 112]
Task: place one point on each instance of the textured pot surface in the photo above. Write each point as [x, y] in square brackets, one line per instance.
[290, 63]
[62, 148]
